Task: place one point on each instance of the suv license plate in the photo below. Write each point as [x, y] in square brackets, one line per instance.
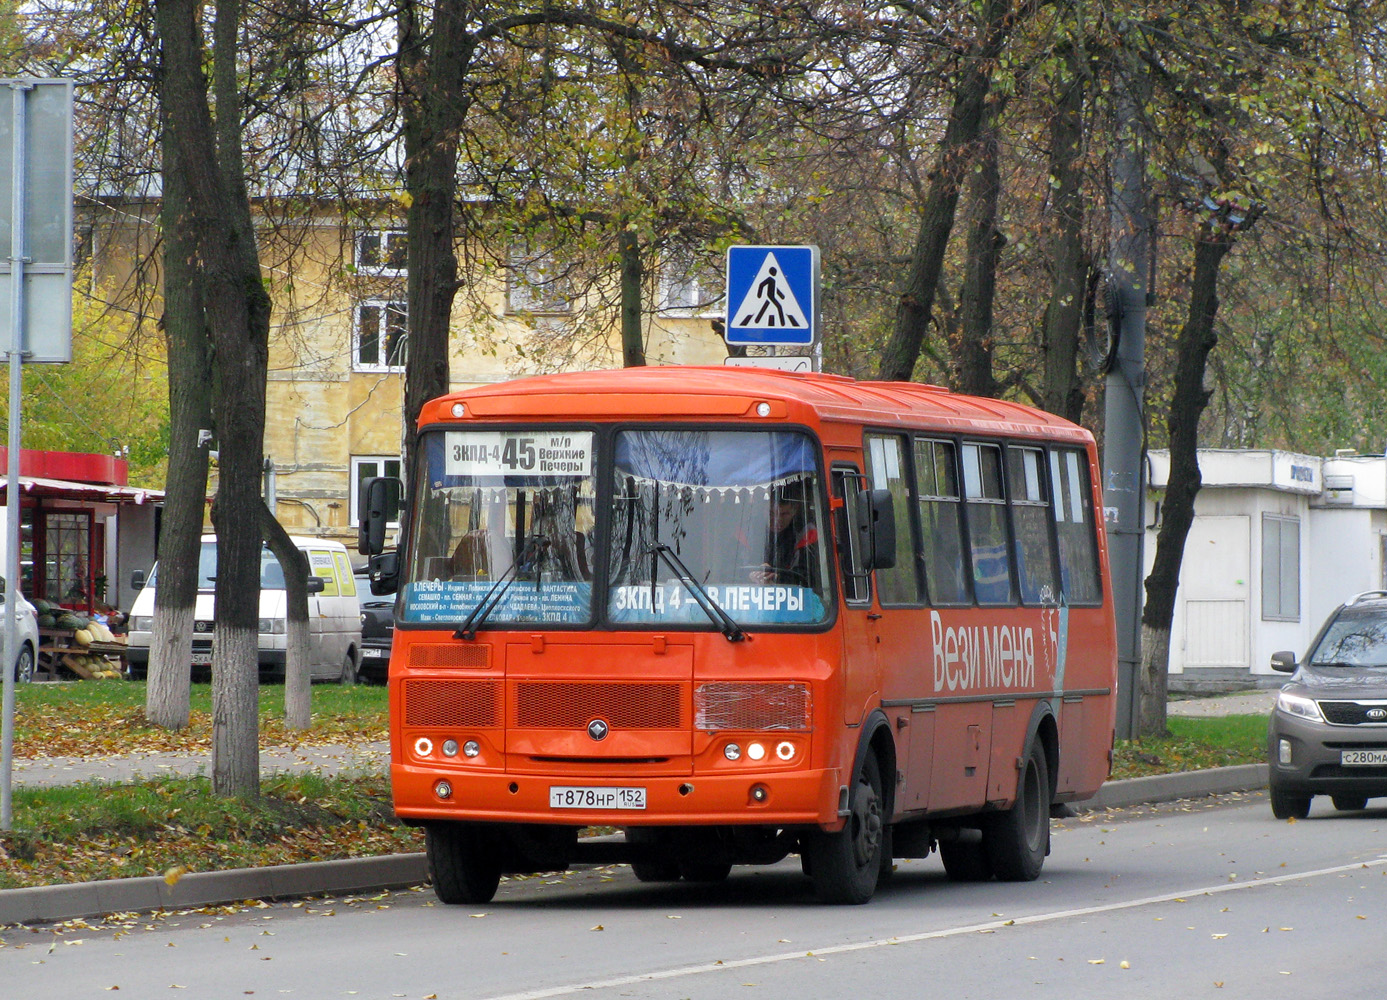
[1363, 758]
[589, 797]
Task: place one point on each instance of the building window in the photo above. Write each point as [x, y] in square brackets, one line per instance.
[366, 467]
[537, 284]
[380, 251]
[1280, 568]
[684, 289]
[379, 336]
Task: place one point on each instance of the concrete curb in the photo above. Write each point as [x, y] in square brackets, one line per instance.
[44, 904]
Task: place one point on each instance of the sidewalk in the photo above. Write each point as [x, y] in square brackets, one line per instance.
[361, 875]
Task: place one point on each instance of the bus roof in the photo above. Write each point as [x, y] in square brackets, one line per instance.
[683, 392]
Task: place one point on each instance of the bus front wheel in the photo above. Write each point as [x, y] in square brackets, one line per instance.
[463, 862]
[845, 865]
[1017, 840]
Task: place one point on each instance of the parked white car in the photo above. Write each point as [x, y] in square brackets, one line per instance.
[334, 614]
[28, 635]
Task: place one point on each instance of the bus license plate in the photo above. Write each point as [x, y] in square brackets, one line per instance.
[202, 659]
[589, 797]
[1363, 758]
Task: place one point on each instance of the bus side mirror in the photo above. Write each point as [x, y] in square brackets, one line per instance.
[137, 580]
[883, 548]
[876, 529]
[380, 504]
[384, 571]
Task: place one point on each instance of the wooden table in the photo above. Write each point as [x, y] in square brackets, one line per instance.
[55, 643]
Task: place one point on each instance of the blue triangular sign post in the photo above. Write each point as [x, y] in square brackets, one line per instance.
[772, 295]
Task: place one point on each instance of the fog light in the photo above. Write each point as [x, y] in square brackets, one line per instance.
[471, 749]
[443, 790]
[756, 751]
[450, 748]
[759, 793]
[732, 752]
[423, 746]
[1283, 751]
[785, 750]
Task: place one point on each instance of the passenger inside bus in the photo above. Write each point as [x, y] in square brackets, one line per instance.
[792, 546]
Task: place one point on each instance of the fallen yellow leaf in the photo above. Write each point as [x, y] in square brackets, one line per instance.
[174, 874]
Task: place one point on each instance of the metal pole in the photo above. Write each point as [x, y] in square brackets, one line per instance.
[1123, 427]
[19, 90]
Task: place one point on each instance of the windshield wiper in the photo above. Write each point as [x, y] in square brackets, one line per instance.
[480, 613]
[729, 627]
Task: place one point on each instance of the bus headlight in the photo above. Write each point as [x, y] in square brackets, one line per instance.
[732, 751]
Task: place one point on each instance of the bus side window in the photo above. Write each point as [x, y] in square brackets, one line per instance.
[1030, 523]
[936, 486]
[886, 462]
[1073, 507]
[986, 510]
[847, 486]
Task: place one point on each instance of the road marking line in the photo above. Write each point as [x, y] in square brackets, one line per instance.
[947, 932]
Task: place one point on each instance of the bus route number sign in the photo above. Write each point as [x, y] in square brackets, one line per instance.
[518, 453]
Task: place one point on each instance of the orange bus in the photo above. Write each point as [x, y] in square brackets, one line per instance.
[740, 614]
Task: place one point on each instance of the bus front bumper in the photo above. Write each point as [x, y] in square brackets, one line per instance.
[773, 798]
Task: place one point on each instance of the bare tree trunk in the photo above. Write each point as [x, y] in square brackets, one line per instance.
[1062, 389]
[941, 201]
[1189, 397]
[973, 357]
[185, 491]
[237, 309]
[432, 64]
[298, 681]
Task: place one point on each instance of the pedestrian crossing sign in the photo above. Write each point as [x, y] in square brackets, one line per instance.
[773, 295]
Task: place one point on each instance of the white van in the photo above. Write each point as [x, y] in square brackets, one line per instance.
[334, 614]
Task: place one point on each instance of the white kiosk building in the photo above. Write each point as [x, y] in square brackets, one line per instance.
[1279, 540]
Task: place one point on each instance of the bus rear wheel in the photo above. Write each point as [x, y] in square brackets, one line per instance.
[1016, 841]
[463, 863]
[845, 865]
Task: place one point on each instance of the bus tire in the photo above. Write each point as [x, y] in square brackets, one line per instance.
[965, 861]
[1017, 840]
[656, 871]
[845, 865]
[463, 863]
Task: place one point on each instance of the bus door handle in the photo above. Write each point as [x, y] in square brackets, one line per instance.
[873, 616]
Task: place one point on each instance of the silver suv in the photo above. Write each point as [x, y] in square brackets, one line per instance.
[1328, 732]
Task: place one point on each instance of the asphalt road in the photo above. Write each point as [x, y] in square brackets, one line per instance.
[1210, 898]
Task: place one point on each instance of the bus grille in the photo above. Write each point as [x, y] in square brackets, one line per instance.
[452, 703]
[452, 654]
[573, 704]
[756, 707]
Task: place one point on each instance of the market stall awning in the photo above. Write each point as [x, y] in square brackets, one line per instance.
[61, 489]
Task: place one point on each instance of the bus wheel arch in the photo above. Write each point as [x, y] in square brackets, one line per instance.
[1017, 840]
[846, 865]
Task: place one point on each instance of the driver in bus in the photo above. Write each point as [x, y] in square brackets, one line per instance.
[792, 545]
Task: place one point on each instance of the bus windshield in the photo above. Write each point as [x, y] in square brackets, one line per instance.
[506, 528]
[738, 510]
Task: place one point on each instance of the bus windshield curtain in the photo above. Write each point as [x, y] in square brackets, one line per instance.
[713, 458]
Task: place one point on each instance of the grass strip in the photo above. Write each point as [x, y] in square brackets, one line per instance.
[1194, 744]
[107, 719]
[97, 830]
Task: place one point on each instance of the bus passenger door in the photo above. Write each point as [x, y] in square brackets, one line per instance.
[857, 623]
